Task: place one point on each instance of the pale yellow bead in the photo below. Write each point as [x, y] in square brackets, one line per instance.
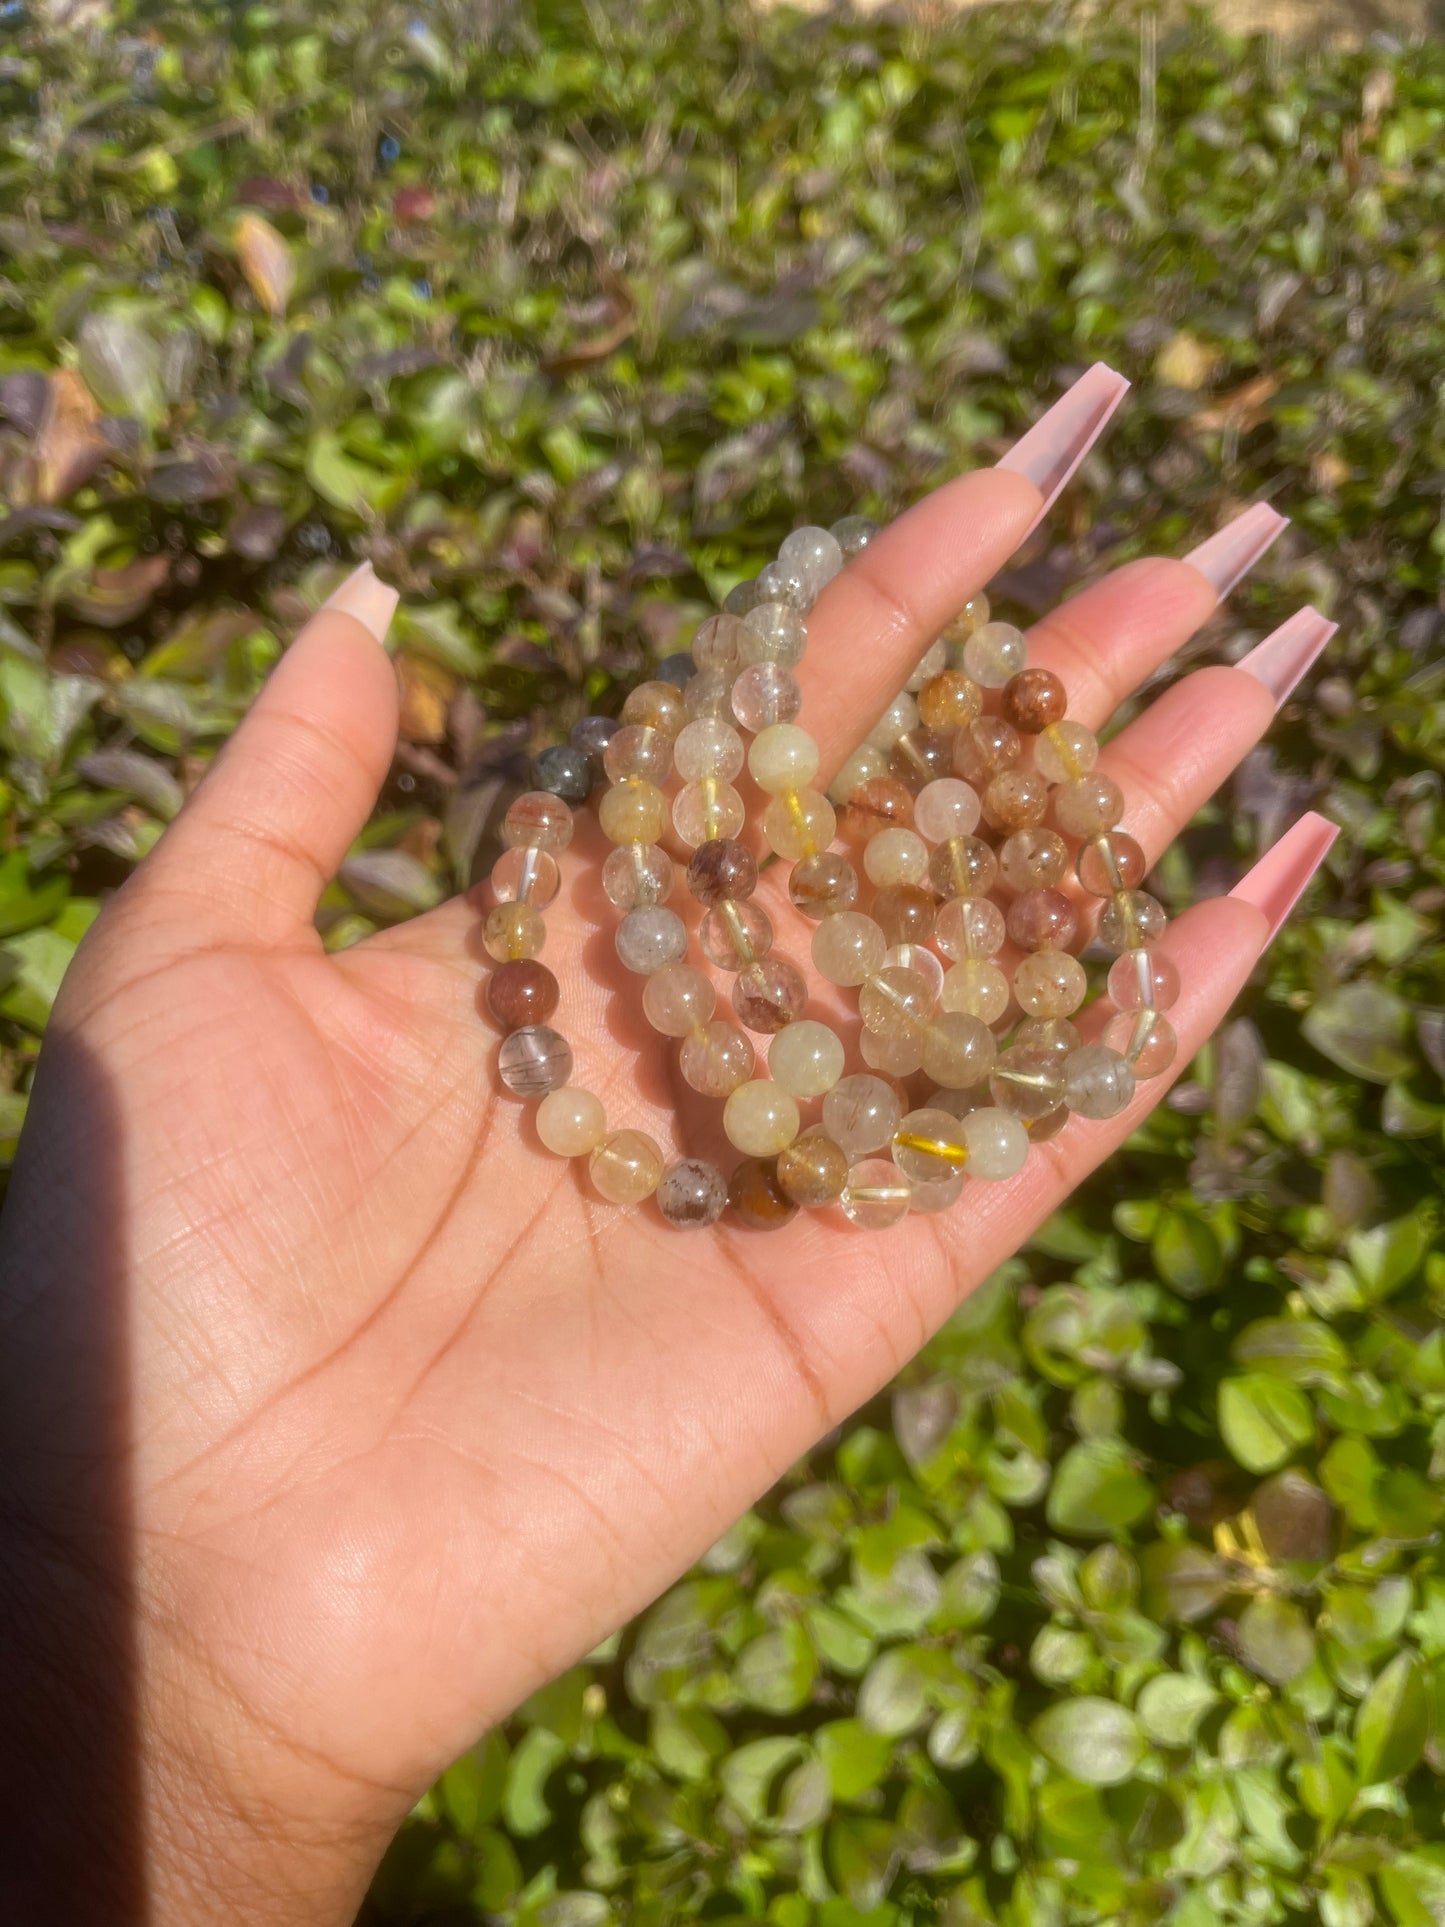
[806, 1059]
[896, 856]
[707, 809]
[1064, 751]
[783, 757]
[848, 948]
[976, 987]
[865, 763]
[626, 1167]
[1050, 983]
[760, 1118]
[633, 813]
[571, 1122]
[797, 824]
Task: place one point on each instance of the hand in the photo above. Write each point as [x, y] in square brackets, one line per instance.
[339, 1415]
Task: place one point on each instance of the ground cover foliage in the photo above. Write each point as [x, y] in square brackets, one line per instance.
[1127, 1603]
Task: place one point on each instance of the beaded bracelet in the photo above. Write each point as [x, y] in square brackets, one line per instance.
[929, 775]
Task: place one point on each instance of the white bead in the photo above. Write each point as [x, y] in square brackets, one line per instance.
[944, 808]
[813, 555]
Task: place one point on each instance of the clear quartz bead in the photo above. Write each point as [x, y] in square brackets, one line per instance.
[717, 1058]
[861, 1113]
[894, 1055]
[1064, 751]
[929, 1144]
[678, 999]
[706, 809]
[866, 763]
[651, 938]
[921, 961]
[526, 875]
[814, 554]
[848, 948]
[958, 1050]
[708, 694]
[765, 693]
[806, 1059]
[778, 583]
[978, 988]
[854, 533]
[1028, 1083]
[1050, 983]
[718, 644]
[1098, 1082]
[637, 874]
[626, 1167]
[895, 1003]
[538, 820]
[735, 934]
[946, 807]
[931, 663]
[896, 856]
[969, 927]
[994, 653]
[1143, 980]
[534, 1060]
[708, 747]
[998, 1144]
[775, 633]
[876, 1196]
[898, 718]
[1144, 1039]
[1132, 920]
[760, 1118]
[637, 752]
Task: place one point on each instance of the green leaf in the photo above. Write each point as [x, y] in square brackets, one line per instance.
[1275, 1639]
[1187, 1254]
[1172, 1705]
[349, 484]
[1263, 1421]
[856, 1758]
[1097, 1489]
[776, 1671]
[1093, 1740]
[1393, 1722]
[1362, 1028]
[27, 900]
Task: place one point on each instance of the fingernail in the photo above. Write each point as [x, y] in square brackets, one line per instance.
[1231, 552]
[1279, 879]
[1050, 451]
[366, 598]
[1283, 657]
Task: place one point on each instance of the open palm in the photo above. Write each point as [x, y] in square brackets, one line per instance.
[411, 1419]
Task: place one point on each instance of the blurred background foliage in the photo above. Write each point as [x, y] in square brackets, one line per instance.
[1127, 1603]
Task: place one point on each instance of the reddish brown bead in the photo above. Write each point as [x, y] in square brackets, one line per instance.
[1033, 699]
[1017, 799]
[722, 869]
[881, 803]
[521, 992]
[905, 912]
[1042, 920]
[756, 1196]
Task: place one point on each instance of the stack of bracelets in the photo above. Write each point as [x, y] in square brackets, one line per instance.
[910, 801]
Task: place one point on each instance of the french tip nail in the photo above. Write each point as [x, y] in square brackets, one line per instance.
[1227, 557]
[1281, 876]
[367, 599]
[1049, 453]
[1289, 652]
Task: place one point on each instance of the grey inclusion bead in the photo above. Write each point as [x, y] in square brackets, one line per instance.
[564, 771]
[535, 1060]
[650, 937]
[692, 1192]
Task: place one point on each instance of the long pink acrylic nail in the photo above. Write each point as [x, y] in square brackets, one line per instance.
[1049, 452]
[1279, 879]
[1231, 552]
[1288, 652]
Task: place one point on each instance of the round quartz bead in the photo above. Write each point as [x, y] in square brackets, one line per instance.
[777, 583]
[626, 1167]
[1048, 1033]
[760, 1118]
[896, 856]
[946, 807]
[958, 1050]
[813, 1169]
[998, 1144]
[1143, 980]
[637, 874]
[895, 1003]
[722, 869]
[964, 866]
[734, 935]
[1033, 859]
[716, 1059]
[896, 1055]
[741, 597]
[708, 696]
[707, 809]
[994, 653]
[1028, 1083]
[571, 1122]
[678, 999]
[848, 948]
[881, 803]
[1132, 921]
[1016, 799]
[526, 876]
[976, 987]
[898, 718]
[854, 533]
[986, 749]
[822, 884]
[862, 766]
[633, 813]
[1111, 861]
[591, 734]
[1088, 804]
[651, 938]
[814, 554]
[1144, 1039]
[718, 643]
[538, 821]
[1034, 699]
[513, 930]
[657, 705]
[969, 927]
[522, 992]
[920, 757]
[876, 1196]
[1043, 1128]
[708, 748]
[949, 701]
[919, 959]
[563, 771]
[1042, 920]
[798, 824]
[757, 1198]
[678, 669]
[905, 912]
[1065, 751]
[972, 616]
[959, 1103]
[933, 662]
[783, 757]
[768, 995]
[1050, 983]
[1097, 1081]
[861, 1113]
[534, 1061]
[637, 753]
[929, 1144]
[774, 633]
[692, 1193]
[938, 1194]
[806, 1059]
[765, 693]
